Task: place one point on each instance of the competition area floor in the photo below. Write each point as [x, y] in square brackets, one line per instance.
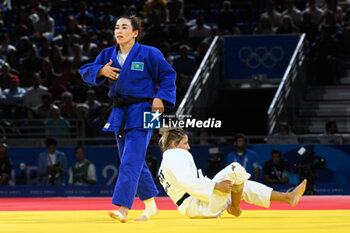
[313, 214]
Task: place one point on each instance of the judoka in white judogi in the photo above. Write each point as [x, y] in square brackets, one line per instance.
[179, 175]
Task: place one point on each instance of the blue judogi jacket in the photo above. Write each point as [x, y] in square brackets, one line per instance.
[144, 69]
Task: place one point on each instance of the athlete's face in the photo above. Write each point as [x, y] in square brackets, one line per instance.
[124, 32]
[183, 144]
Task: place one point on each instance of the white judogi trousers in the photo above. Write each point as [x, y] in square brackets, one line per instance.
[253, 193]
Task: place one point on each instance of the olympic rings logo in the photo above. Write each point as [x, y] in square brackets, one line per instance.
[261, 56]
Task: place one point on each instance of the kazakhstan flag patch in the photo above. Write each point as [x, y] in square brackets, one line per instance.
[138, 66]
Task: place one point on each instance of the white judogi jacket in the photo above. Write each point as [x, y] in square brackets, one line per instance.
[178, 174]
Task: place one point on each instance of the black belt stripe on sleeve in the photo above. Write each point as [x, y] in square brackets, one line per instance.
[179, 202]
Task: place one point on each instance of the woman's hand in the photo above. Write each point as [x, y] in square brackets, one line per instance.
[224, 186]
[109, 71]
[158, 105]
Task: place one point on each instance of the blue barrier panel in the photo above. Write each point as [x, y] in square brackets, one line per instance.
[265, 55]
[107, 190]
[104, 158]
[335, 179]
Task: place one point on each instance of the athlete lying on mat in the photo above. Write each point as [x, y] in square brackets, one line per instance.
[198, 196]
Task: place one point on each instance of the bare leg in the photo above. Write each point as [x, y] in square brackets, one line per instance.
[150, 210]
[291, 198]
[236, 196]
[121, 214]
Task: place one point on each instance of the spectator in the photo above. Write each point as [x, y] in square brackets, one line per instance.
[47, 75]
[332, 6]
[69, 76]
[83, 172]
[13, 60]
[84, 17]
[13, 98]
[106, 20]
[67, 46]
[56, 58]
[199, 31]
[244, 156]
[275, 16]
[52, 164]
[5, 46]
[175, 10]
[45, 48]
[5, 165]
[33, 16]
[5, 76]
[283, 136]
[33, 96]
[276, 170]
[179, 34]
[57, 88]
[23, 25]
[45, 26]
[315, 12]
[56, 126]
[287, 26]
[157, 32]
[327, 51]
[94, 105]
[201, 51]
[79, 90]
[331, 127]
[185, 64]
[227, 19]
[23, 47]
[77, 59]
[214, 31]
[330, 136]
[88, 48]
[31, 63]
[84, 127]
[294, 13]
[309, 28]
[68, 108]
[265, 26]
[43, 111]
[108, 39]
[72, 26]
[155, 7]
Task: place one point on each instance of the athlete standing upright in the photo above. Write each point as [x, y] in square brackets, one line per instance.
[140, 80]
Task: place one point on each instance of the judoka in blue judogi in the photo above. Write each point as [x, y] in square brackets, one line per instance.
[144, 74]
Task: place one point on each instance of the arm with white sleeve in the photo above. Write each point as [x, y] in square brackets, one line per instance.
[181, 166]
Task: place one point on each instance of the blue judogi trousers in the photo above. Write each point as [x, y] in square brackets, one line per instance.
[134, 175]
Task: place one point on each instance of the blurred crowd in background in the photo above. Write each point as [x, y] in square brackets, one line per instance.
[43, 44]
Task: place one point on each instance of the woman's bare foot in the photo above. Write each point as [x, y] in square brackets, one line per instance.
[121, 214]
[296, 194]
[147, 215]
[235, 211]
